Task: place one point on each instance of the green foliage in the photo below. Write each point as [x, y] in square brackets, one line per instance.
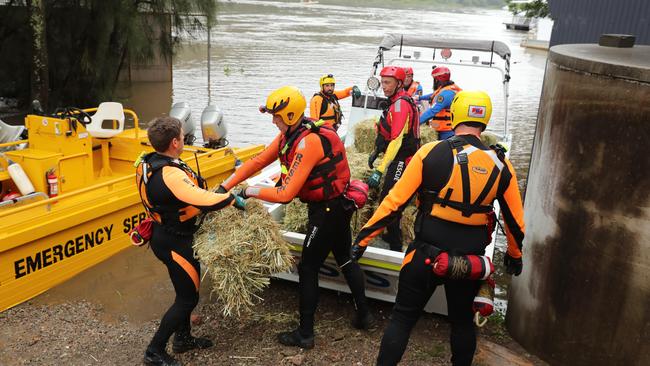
[534, 9]
[89, 41]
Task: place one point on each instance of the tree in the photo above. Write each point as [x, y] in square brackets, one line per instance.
[39, 84]
[79, 46]
[533, 9]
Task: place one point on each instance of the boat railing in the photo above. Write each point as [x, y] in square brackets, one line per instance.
[12, 143]
[108, 184]
[485, 64]
[25, 198]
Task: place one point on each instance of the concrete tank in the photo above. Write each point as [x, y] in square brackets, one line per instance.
[584, 295]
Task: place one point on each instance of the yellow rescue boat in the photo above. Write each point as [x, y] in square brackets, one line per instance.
[46, 240]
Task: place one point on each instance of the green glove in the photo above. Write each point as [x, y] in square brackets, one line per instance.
[356, 92]
[240, 200]
[375, 179]
[356, 252]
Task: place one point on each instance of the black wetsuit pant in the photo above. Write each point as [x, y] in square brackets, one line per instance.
[417, 282]
[393, 234]
[328, 231]
[176, 252]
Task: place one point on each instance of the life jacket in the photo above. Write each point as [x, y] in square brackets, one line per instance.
[412, 90]
[442, 120]
[329, 178]
[330, 110]
[410, 142]
[468, 195]
[173, 217]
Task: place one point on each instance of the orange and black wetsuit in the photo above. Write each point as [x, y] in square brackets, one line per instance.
[456, 181]
[315, 170]
[177, 195]
[327, 108]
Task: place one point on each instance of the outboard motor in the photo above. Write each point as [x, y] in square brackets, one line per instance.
[213, 127]
[183, 113]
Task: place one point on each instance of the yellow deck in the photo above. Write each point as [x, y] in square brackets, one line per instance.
[47, 241]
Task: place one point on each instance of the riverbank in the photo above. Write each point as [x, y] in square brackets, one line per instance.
[108, 314]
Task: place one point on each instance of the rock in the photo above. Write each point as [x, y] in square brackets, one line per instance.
[196, 319]
[297, 360]
[489, 354]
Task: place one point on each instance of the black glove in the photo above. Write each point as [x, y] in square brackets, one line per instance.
[356, 252]
[221, 189]
[513, 265]
[371, 159]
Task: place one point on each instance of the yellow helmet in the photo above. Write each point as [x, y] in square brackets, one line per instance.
[285, 101]
[327, 79]
[471, 106]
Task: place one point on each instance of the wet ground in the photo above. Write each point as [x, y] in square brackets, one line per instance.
[107, 315]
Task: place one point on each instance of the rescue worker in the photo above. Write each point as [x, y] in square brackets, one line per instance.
[173, 196]
[456, 181]
[314, 169]
[398, 137]
[411, 87]
[325, 104]
[440, 100]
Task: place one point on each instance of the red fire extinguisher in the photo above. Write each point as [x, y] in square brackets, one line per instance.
[52, 183]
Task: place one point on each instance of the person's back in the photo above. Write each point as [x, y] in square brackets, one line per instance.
[456, 182]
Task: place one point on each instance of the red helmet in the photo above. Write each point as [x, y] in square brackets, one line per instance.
[441, 73]
[393, 71]
[408, 71]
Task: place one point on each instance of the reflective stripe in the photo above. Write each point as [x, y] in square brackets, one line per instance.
[493, 155]
[466, 151]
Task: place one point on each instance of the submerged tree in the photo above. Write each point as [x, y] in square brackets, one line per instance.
[532, 9]
[88, 42]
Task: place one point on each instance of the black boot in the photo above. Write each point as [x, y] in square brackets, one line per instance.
[184, 342]
[363, 321]
[153, 357]
[295, 339]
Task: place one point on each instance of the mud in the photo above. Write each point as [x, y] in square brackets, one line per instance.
[108, 314]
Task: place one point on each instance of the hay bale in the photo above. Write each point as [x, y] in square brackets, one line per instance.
[489, 139]
[295, 217]
[240, 250]
[358, 163]
[427, 134]
[364, 135]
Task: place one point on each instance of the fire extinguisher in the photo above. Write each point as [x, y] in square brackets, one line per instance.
[52, 183]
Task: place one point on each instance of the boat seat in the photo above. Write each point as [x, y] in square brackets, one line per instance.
[10, 133]
[107, 111]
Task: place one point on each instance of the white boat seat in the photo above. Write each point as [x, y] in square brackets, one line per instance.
[107, 111]
[10, 133]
